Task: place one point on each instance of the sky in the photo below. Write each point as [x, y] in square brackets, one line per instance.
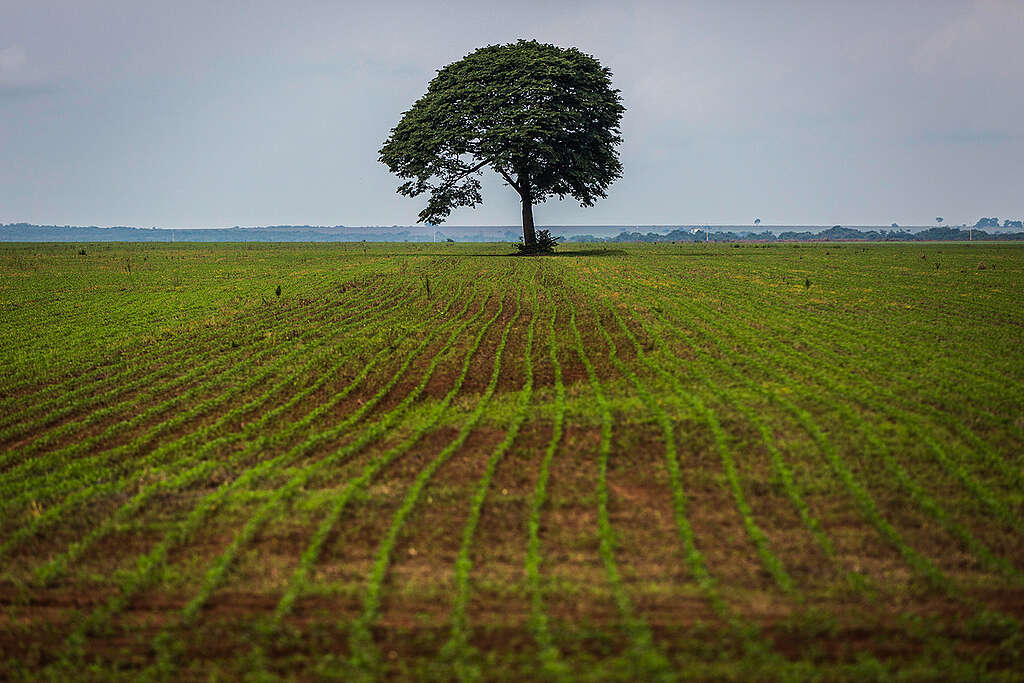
[215, 114]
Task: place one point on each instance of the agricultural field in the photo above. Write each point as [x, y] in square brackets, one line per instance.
[420, 462]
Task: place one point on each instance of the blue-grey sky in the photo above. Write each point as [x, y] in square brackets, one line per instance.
[184, 113]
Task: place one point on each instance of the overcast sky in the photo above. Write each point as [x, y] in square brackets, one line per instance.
[181, 113]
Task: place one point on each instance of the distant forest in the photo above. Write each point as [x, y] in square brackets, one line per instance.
[25, 232]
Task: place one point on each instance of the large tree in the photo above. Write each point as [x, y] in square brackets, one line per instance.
[545, 118]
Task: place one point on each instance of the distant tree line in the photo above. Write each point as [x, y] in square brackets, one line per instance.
[994, 223]
[835, 233]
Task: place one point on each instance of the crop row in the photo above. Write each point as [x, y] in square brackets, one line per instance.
[840, 469]
[165, 319]
[371, 432]
[148, 567]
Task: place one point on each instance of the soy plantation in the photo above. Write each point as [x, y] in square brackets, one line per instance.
[426, 461]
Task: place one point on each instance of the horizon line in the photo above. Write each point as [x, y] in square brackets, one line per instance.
[498, 227]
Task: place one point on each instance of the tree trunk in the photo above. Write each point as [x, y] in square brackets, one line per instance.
[529, 234]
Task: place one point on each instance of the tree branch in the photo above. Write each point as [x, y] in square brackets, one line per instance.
[464, 174]
[509, 180]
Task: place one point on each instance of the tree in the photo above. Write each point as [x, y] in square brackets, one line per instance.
[545, 118]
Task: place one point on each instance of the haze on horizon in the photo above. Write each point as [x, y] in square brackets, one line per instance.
[242, 113]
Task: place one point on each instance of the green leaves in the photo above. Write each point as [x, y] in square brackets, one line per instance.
[528, 110]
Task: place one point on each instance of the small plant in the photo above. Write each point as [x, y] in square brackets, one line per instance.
[81, 252]
[545, 244]
[989, 625]
[278, 291]
[807, 283]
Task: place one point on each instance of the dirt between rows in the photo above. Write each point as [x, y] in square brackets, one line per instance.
[835, 619]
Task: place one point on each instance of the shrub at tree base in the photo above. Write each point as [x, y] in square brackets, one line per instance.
[544, 244]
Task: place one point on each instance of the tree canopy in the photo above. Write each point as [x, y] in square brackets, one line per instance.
[545, 118]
